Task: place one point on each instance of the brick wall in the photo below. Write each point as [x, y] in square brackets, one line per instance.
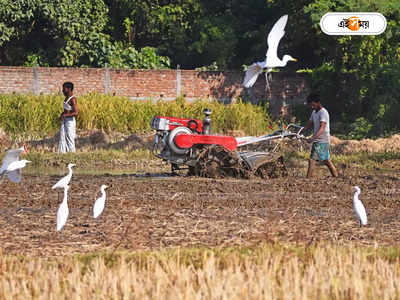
[289, 88]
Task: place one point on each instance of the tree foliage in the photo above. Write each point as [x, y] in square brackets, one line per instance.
[58, 31]
[360, 75]
[65, 33]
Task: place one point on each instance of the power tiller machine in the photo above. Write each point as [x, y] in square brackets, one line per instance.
[188, 143]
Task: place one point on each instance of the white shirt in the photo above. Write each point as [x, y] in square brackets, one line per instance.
[321, 116]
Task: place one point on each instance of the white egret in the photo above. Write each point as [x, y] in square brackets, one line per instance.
[271, 60]
[13, 170]
[11, 165]
[359, 208]
[63, 211]
[66, 179]
[11, 155]
[100, 202]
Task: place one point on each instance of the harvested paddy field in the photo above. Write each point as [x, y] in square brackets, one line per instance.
[156, 210]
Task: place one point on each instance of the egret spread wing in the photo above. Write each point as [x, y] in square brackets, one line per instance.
[251, 75]
[11, 156]
[274, 36]
[15, 176]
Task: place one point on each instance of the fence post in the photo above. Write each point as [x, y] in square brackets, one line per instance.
[178, 81]
[107, 82]
[35, 81]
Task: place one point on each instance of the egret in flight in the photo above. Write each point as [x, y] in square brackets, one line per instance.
[63, 211]
[272, 60]
[100, 202]
[359, 208]
[11, 165]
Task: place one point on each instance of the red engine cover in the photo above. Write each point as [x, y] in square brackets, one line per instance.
[176, 122]
[186, 141]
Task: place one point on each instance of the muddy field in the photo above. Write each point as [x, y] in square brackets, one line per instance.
[152, 212]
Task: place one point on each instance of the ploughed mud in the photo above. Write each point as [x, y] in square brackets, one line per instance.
[217, 162]
[151, 212]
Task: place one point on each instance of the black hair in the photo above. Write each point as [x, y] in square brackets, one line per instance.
[313, 97]
[69, 85]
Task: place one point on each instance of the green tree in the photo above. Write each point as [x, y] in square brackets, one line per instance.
[59, 32]
[165, 25]
[359, 75]
[65, 33]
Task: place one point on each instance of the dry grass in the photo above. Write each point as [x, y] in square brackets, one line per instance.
[390, 144]
[268, 271]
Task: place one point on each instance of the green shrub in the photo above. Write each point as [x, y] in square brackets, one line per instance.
[360, 128]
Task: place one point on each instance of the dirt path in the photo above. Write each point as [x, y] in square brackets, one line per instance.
[147, 213]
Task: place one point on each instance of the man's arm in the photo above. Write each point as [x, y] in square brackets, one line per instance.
[321, 129]
[308, 125]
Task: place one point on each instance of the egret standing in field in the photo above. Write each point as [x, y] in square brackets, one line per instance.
[63, 211]
[359, 208]
[100, 202]
[11, 165]
[272, 60]
[66, 179]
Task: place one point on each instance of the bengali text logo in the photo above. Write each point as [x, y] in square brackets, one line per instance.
[353, 23]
